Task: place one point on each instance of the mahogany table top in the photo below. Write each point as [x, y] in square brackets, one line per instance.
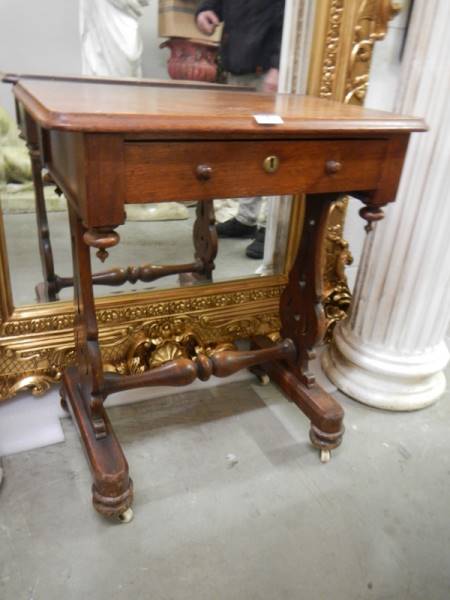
[163, 110]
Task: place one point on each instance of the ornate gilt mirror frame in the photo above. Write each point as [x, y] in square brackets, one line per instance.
[37, 341]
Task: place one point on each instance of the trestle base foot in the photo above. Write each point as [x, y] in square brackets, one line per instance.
[324, 412]
[112, 490]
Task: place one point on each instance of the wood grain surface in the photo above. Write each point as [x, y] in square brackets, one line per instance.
[108, 107]
[156, 171]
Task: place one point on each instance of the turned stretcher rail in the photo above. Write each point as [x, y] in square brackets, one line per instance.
[132, 274]
[184, 371]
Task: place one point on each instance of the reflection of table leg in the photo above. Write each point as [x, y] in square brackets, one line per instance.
[205, 238]
[48, 290]
[205, 244]
[303, 320]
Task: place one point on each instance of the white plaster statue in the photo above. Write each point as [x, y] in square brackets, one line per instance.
[110, 39]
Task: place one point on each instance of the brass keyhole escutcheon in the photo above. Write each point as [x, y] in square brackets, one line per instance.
[271, 164]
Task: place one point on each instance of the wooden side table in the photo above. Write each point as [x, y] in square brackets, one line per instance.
[109, 145]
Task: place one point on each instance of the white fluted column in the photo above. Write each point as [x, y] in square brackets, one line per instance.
[390, 352]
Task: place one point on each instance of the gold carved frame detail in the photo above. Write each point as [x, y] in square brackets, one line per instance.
[345, 34]
[36, 342]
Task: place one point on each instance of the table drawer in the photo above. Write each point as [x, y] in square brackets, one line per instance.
[200, 170]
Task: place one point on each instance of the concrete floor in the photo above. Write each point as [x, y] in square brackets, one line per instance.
[232, 503]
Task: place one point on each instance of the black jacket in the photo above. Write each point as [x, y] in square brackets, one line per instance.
[251, 39]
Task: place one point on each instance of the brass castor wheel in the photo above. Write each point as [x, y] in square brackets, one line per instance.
[126, 516]
[264, 379]
[63, 403]
[325, 455]
[262, 376]
[325, 442]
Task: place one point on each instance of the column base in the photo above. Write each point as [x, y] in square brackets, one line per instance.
[388, 381]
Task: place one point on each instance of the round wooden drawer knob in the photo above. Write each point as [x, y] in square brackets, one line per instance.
[204, 172]
[332, 167]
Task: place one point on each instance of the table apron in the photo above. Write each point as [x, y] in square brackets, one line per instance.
[164, 171]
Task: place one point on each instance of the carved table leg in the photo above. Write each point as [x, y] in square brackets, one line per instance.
[112, 490]
[48, 290]
[303, 320]
[83, 386]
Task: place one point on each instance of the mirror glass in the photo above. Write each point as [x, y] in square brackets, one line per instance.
[177, 239]
[149, 248]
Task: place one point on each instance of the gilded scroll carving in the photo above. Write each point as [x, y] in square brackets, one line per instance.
[146, 352]
[331, 46]
[135, 338]
[157, 342]
[371, 26]
[337, 295]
